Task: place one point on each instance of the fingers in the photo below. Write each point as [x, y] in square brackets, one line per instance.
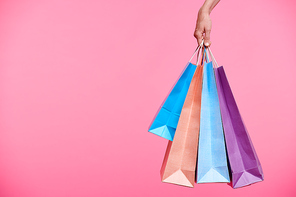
[198, 36]
[207, 40]
[203, 35]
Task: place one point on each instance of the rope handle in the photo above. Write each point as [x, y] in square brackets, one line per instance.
[197, 50]
[204, 54]
[213, 58]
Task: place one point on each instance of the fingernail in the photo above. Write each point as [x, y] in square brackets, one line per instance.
[207, 44]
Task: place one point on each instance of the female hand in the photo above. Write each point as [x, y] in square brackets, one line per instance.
[204, 22]
[203, 27]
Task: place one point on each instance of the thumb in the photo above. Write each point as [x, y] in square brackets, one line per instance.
[207, 40]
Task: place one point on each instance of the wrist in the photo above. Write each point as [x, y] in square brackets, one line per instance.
[204, 10]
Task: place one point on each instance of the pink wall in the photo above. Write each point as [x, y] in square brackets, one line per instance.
[80, 82]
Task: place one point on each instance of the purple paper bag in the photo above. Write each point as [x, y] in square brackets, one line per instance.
[244, 163]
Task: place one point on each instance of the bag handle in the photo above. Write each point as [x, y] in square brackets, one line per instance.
[204, 53]
[212, 57]
[197, 50]
[205, 56]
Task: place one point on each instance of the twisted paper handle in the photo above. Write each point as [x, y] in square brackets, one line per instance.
[197, 50]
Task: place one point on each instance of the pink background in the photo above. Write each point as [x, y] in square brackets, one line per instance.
[80, 82]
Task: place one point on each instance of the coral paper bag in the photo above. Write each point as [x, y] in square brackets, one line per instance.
[212, 159]
[166, 120]
[244, 163]
[179, 164]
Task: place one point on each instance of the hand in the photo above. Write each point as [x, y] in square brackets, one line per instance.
[203, 27]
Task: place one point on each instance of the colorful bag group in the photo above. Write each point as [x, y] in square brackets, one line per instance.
[208, 141]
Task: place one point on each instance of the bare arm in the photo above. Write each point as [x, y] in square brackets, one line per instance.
[204, 23]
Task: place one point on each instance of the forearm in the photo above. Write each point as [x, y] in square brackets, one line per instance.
[208, 6]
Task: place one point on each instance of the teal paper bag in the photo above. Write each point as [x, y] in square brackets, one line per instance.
[212, 159]
[166, 120]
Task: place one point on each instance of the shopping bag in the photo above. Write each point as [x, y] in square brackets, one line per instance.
[166, 120]
[179, 164]
[244, 163]
[212, 159]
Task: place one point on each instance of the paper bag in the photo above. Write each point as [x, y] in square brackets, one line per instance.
[212, 159]
[179, 164]
[166, 120]
[244, 163]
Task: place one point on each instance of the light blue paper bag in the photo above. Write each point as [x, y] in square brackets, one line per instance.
[212, 159]
[166, 120]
